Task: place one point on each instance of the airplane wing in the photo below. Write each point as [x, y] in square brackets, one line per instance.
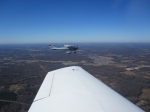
[72, 89]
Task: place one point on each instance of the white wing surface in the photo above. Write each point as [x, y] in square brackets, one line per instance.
[72, 89]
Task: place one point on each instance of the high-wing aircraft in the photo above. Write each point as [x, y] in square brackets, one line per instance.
[72, 89]
[69, 48]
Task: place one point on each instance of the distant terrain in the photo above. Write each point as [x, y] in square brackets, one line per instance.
[125, 67]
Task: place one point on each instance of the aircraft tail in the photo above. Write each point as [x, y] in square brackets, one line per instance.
[50, 46]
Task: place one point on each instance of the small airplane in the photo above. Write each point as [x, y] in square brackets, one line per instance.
[69, 48]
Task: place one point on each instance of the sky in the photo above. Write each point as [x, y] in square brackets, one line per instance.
[64, 21]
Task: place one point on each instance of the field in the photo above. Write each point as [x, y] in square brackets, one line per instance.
[124, 67]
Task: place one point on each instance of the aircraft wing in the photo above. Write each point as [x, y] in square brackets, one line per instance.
[72, 89]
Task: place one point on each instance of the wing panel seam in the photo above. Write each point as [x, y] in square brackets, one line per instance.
[51, 84]
[50, 90]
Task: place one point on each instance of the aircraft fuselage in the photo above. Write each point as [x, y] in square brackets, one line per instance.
[68, 48]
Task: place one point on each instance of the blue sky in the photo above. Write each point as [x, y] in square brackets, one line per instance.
[49, 21]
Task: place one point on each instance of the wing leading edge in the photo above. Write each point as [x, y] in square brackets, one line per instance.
[72, 89]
